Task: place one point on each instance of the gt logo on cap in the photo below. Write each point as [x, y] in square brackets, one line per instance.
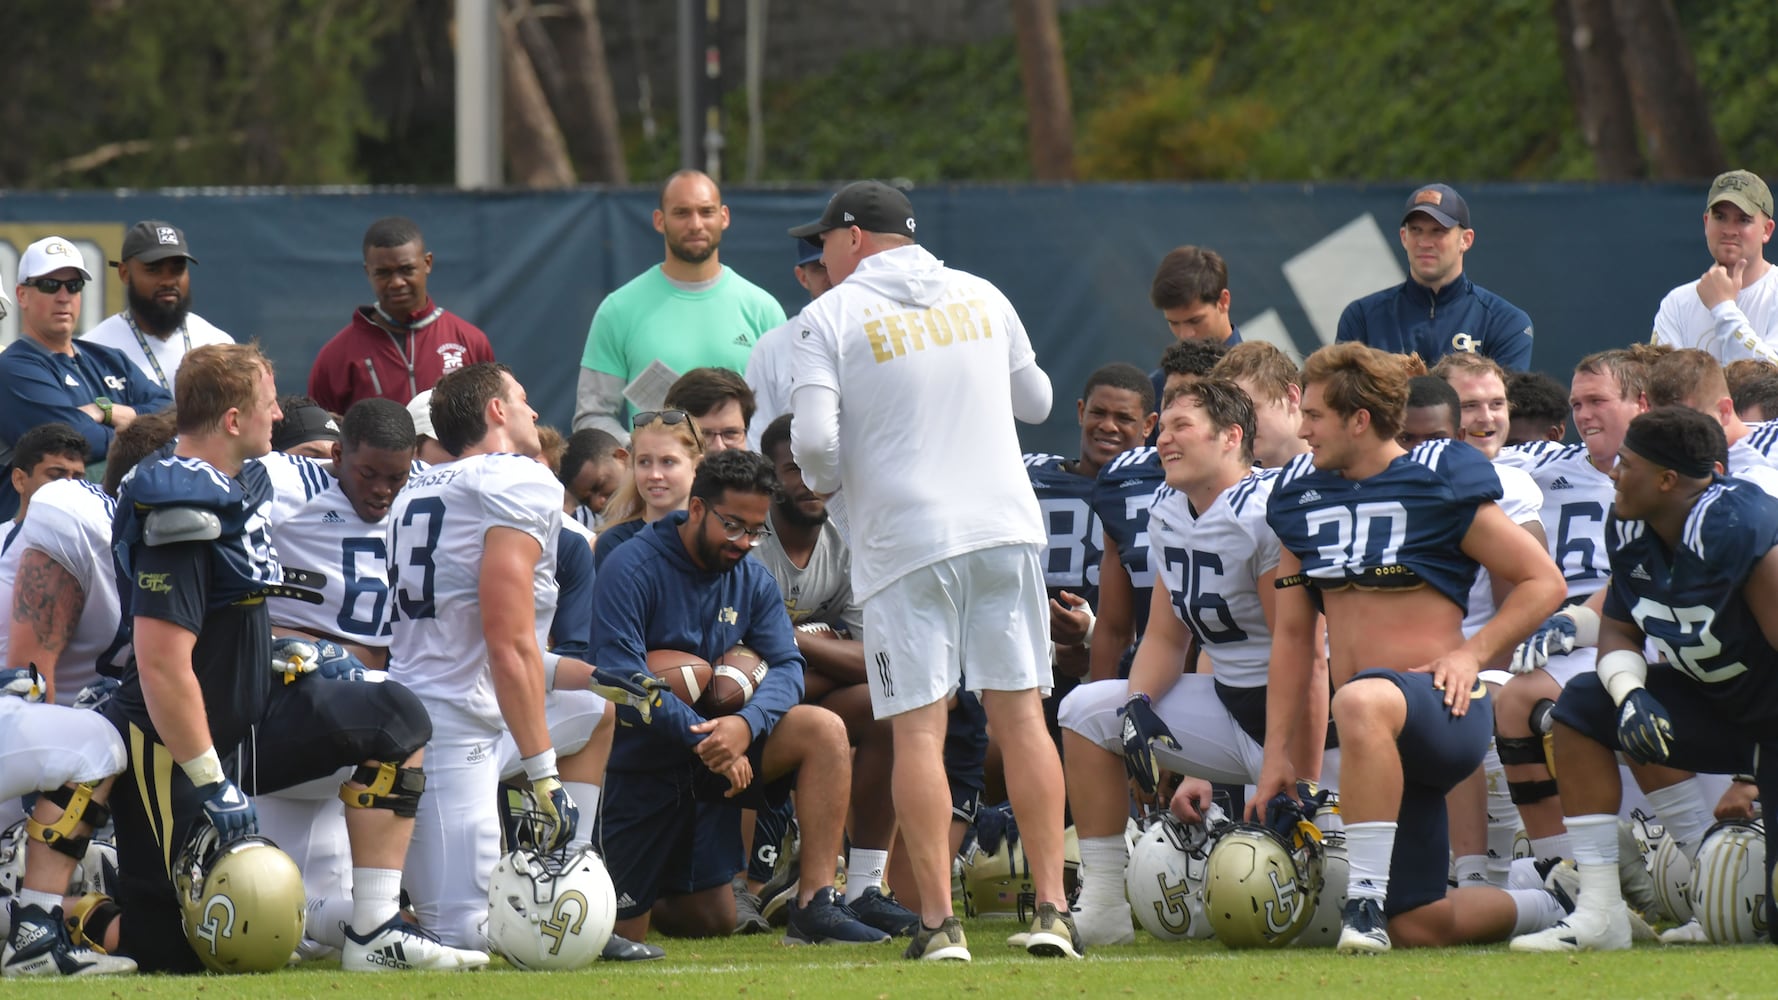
[55, 247]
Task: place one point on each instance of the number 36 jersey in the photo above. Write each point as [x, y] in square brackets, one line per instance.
[1690, 602]
[1211, 564]
[436, 541]
[336, 576]
[1400, 528]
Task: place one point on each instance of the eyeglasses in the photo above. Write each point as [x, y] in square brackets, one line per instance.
[50, 286]
[668, 417]
[734, 530]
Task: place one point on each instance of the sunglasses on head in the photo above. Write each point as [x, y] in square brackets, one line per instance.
[50, 286]
[668, 417]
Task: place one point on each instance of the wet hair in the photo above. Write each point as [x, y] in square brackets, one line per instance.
[1355, 376]
[1627, 366]
[378, 423]
[1263, 365]
[44, 440]
[214, 379]
[1688, 377]
[1188, 275]
[735, 471]
[1120, 375]
[392, 231]
[1191, 357]
[460, 404]
[1223, 403]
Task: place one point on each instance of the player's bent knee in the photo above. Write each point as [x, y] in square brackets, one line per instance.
[1364, 698]
[385, 786]
[62, 836]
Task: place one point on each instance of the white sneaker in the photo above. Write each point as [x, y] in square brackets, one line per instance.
[1690, 932]
[1564, 881]
[1586, 929]
[1100, 925]
[399, 945]
[1364, 930]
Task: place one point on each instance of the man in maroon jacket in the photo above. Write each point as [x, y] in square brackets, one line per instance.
[405, 343]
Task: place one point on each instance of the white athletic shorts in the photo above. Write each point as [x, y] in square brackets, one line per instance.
[979, 620]
[43, 747]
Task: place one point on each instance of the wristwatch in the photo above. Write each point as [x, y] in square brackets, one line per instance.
[104, 404]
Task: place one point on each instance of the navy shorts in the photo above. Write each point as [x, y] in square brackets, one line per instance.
[1438, 751]
[671, 832]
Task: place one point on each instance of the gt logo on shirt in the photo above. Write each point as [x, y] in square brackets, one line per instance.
[941, 326]
[154, 583]
[1464, 342]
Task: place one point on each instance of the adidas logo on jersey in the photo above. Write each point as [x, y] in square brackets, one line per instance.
[1310, 497]
[332, 517]
[1561, 483]
[1639, 573]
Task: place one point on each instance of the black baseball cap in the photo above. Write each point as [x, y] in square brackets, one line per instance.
[872, 206]
[154, 240]
[1441, 202]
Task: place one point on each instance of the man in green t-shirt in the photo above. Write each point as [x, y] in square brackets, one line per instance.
[689, 312]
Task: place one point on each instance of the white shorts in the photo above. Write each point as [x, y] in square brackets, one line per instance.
[571, 716]
[1565, 667]
[43, 747]
[1212, 745]
[979, 620]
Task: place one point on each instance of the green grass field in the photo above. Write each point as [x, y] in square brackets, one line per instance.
[755, 967]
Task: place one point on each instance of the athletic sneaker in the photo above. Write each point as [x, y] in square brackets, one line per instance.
[1591, 928]
[38, 945]
[748, 919]
[1690, 932]
[827, 920]
[1563, 881]
[938, 944]
[399, 945]
[1363, 928]
[1053, 934]
[1104, 924]
[881, 910]
[622, 949]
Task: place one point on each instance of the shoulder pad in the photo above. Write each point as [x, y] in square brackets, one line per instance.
[172, 525]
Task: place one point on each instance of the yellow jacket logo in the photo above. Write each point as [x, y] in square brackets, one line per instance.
[155, 583]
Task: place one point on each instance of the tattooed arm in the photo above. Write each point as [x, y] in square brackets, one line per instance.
[46, 606]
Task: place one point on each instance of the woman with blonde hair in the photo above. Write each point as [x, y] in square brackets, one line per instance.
[665, 449]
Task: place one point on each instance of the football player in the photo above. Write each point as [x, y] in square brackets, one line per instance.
[1693, 379]
[592, 468]
[1693, 572]
[1389, 541]
[1269, 378]
[1537, 406]
[1216, 561]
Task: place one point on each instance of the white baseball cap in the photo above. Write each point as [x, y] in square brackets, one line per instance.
[420, 408]
[49, 255]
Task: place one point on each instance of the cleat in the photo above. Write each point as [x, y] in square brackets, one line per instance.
[1363, 928]
[1586, 929]
[622, 949]
[399, 945]
[748, 919]
[881, 910]
[1563, 882]
[1053, 934]
[1690, 932]
[939, 944]
[1102, 925]
[38, 945]
[827, 920]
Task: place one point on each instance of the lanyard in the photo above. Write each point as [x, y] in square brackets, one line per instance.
[160, 377]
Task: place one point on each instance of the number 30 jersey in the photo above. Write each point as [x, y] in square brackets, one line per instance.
[1691, 602]
[336, 565]
[436, 535]
[1211, 564]
[1400, 528]
[1576, 499]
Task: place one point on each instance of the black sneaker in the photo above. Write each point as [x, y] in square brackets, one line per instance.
[1363, 928]
[1053, 934]
[39, 946]
[881, 910]
[937, 944]
[622, 949]
[826, 920]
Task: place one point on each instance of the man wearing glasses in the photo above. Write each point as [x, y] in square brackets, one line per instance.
[720, 402]
[45, 378]
[688, 585]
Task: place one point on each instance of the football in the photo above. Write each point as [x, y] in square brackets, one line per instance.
[687, 674]
[733, 679]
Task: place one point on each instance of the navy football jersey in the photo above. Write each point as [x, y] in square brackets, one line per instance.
[1071, 555]
[1402, 527]
[1690, 601]
[1121, 498]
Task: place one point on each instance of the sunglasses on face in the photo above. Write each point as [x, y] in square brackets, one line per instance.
[668, 417]
[50, 286]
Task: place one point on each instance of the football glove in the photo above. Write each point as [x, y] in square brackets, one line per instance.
[640, 692]
[22, 682]
[1142, 731]
[292, 657]
[95, 696]
[1564, 632]
[230, 812]
[1644, 729]
[559, 815]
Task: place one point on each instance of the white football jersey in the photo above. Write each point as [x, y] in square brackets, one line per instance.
[1211, 565]
[436, 537]
[1757, 449]
[69, 520]
[336, 564]
[1576, 499]
[1522, 502]
[1744, 328]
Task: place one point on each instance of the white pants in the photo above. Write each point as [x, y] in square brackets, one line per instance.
[43, 747]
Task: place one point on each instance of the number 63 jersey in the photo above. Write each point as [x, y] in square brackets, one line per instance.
[335, 563]
[1691, 602]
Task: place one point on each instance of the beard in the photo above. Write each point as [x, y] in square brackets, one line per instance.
[791, 513]
[161, 320]
[679, 251]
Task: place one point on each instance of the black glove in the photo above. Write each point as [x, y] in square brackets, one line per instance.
[230, 812]
[1644, 729]
[1142, 731]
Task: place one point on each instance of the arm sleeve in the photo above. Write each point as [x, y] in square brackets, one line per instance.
[815, 436]
[621, 607]
[1031, 394]
[1512, 346]
[598, 399]
[1667, 329]
[171, 583]
[770, 635]
[1736, 334]
[32, 397]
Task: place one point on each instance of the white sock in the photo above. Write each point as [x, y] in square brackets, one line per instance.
[586, 799]
[1368, 850]
[1594, 839]
[1102, 864]
[1471, 870]
[1537, 909]
[1503, 819]
[864, 870]
[45, 901]
[1556, 846]
[376, 896]
[1683, 813]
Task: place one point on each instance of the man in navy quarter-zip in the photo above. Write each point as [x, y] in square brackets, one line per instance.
[1438, 310]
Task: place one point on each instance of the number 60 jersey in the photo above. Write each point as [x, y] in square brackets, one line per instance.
[1691, 602]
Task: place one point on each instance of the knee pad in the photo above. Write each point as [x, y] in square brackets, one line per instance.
[77, 806]
[387, 786]
[1519, 750]
[1524, 793]
[90, 918]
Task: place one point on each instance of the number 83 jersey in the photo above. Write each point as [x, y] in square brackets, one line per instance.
[1691, 603]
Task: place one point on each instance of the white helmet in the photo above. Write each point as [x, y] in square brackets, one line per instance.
[242, 904]
[1263, 884]
[1324, 924]
[1672, 872]
[550, 911]
[1729, 882]
[1165, 877]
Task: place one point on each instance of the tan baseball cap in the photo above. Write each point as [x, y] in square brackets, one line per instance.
[1744, 190]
